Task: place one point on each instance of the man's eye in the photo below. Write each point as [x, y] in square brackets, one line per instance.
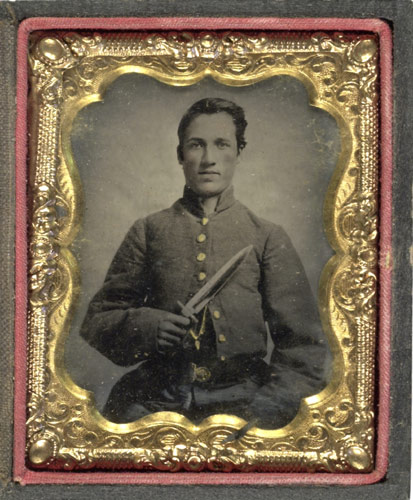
[222, 145]
[194, 145]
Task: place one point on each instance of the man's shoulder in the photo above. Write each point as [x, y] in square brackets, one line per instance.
[158, 218]
[166, 215]
[260, 222]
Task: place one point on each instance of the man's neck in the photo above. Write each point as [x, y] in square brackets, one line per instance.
[209, 204]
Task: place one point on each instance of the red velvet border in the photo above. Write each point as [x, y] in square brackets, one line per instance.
[27, 476]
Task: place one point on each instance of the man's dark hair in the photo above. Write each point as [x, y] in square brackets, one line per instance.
[210, 106]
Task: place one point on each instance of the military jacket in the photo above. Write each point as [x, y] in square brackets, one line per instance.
[167, 256]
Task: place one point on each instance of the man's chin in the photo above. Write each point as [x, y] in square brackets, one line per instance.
[208, 192]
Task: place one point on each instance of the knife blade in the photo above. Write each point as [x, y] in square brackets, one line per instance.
[213, 286]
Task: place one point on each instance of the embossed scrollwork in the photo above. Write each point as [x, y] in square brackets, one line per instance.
[333, 432]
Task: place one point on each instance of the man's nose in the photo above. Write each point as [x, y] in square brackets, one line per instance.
[208, 157]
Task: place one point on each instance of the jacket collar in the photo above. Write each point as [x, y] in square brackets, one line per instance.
[191, 202]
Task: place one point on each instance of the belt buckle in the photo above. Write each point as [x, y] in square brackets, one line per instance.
[200, 373]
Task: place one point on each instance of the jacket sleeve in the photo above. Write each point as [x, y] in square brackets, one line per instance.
[117, 322]
[300, 352]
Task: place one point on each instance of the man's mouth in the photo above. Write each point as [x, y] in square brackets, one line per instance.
[209, 172]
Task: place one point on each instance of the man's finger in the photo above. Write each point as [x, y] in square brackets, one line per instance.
[169, 338]
[164, 345]
[179, 320]
[172, 329]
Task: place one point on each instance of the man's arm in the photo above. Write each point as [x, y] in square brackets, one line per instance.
[298, 361]
[117, 323]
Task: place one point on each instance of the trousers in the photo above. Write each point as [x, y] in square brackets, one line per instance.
[164, 385]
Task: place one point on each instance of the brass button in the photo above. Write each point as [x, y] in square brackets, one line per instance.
[216, 314]
[204, 221]
[200, 257]
[201, 238]
[222, 338]
[223, 358]
[201, 276]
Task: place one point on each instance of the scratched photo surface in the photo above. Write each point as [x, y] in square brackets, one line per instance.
[257, 348]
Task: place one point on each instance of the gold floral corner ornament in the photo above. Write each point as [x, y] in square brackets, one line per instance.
[334, 430]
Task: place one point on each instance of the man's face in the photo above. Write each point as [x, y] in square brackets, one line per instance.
[209, 154]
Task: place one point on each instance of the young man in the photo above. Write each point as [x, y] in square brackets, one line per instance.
[215, 365]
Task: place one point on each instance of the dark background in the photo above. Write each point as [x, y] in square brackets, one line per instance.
[399, 14]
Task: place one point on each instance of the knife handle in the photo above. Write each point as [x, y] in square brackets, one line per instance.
[187, 312]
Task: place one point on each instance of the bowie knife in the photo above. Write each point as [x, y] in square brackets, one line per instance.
[201, 299]
[214, 285]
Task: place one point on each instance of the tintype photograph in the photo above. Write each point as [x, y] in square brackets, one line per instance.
[209, 298]
[203, 251]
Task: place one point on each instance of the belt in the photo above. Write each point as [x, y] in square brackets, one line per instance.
[199, 373]
[232, 370]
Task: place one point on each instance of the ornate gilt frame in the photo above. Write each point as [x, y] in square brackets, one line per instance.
[334, 430]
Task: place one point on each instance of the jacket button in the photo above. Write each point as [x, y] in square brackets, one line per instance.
[216, 314]
[204, 221]
[201, 238]
[223, 358]
[222, 338]
[201, 276]
[200, 257]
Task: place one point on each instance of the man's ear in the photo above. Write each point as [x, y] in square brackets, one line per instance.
[239, 157]
[179, 154]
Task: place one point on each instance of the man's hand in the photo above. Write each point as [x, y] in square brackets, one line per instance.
[171, 330]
